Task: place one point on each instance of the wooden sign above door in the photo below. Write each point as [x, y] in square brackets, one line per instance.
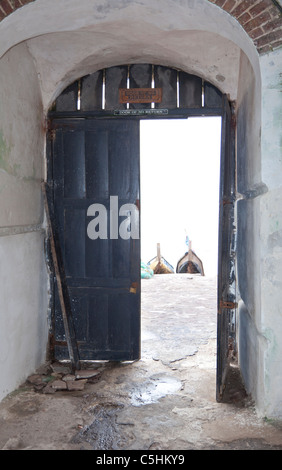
[140, 95]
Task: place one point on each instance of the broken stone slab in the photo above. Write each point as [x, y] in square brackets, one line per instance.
[39, 387]
[76, 385]
[86, 374]
[59, 385]
[35, 379]
[59, 368]
[49, 389]
[57, 376]
[44, 369]
[39, 382]
[61, 378]
[68, 377]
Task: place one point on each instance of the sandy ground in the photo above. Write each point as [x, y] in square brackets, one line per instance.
[165, 401]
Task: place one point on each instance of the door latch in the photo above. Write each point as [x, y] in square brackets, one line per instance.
[227, 305]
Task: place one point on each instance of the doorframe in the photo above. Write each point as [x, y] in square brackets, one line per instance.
[149, 114]
[177, 113]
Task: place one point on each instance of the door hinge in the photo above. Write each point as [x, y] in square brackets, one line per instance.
[52, 134]
[227, 305]
[51, 131]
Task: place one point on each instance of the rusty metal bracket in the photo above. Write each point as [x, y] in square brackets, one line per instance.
[227, 201]
[133, 288]
[227, 305]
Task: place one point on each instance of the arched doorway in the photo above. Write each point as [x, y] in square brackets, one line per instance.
[56, 45]
[93, 180]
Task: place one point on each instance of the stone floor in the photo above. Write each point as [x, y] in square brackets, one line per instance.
[164, 401]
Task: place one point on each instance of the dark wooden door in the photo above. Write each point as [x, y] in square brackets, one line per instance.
[226, 335]
[95, 165]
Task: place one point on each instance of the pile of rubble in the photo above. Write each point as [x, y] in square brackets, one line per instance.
[54, 377]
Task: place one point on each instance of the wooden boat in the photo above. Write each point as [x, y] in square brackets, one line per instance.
[146, 271]
[190, 263]
[160, 265]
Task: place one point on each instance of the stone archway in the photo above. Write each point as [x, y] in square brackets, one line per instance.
[260, 19]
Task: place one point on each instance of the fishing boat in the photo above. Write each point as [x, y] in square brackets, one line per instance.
[159, 264]
[146, 271]
[190, 263]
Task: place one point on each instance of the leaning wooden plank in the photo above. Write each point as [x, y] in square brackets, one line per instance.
[61, 282]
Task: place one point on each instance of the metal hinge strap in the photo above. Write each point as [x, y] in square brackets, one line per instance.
[52, 134]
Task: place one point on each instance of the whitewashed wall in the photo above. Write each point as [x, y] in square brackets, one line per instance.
[23, 307]
[270, 235]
